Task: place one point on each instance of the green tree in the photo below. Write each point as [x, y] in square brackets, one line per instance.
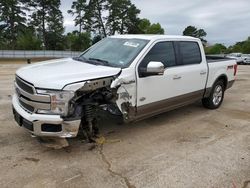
[27, 40]
[107, 17]
[241, 47]
[55, 29]
[155, 29]
[145, 27]
[12, 20]
[123, 16]
[78, 41]
[216, 49]
[95, 17]
[238, 47]
[78, 9]
[47, 20]
[246, 47]
[2, 38]
[96, 39]
[194, 32]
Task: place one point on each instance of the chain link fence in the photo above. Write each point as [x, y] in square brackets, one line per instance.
[37, 54]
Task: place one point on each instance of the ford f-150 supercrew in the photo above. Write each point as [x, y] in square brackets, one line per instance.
[134, 76]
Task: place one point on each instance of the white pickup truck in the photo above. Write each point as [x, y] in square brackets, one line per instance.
[134, 76]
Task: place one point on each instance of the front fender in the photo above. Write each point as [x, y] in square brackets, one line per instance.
[125, 86]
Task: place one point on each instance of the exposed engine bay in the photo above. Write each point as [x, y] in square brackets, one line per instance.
[89, 100]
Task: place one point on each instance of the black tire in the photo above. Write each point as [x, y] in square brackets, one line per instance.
[215, 98]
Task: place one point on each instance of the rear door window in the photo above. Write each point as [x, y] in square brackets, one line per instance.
[190, 53]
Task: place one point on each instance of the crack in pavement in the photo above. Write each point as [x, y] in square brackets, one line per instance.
[105, 160]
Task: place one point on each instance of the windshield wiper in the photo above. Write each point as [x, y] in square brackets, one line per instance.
[94, 61]
[82, 59]
[99, 60]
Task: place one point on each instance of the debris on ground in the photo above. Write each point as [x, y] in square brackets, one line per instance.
[55, 143]
[102, 140]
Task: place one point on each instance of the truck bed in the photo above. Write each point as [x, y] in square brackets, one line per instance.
[218, 65]
[214, 59]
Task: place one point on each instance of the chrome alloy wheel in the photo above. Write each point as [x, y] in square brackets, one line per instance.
[217, 95]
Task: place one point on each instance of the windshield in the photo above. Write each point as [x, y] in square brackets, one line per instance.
[117, 52]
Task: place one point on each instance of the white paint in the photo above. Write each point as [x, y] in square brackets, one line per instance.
[74, 87]
[55, 74]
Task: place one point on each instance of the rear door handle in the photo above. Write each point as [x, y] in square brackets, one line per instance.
[176, 77]
[203, 72]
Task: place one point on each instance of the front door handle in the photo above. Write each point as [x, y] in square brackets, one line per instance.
[203, 72]
[176, 77]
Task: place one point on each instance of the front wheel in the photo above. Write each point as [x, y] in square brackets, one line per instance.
[216, 96]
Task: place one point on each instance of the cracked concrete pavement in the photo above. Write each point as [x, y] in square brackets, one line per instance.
[187, 147]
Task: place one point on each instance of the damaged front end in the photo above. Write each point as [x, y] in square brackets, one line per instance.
[113, 94]
[125, 87]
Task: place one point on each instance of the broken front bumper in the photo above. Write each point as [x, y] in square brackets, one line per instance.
[44, 125]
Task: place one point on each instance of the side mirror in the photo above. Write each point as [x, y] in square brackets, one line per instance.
[155, 68]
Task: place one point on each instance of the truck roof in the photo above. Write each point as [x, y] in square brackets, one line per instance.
[154, 37]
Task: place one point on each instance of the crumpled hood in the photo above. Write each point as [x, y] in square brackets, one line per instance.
[55, 74]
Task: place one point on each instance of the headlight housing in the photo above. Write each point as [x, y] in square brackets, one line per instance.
[59, 101]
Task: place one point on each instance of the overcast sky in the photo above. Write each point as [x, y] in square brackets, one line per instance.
[225, 21]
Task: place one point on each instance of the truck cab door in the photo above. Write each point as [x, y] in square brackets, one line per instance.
[182, 82]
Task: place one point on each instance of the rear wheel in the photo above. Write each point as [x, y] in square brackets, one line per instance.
[216, 96]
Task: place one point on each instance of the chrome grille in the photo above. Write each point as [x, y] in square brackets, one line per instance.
[24, 85]
[26, 106]
[28, 99]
